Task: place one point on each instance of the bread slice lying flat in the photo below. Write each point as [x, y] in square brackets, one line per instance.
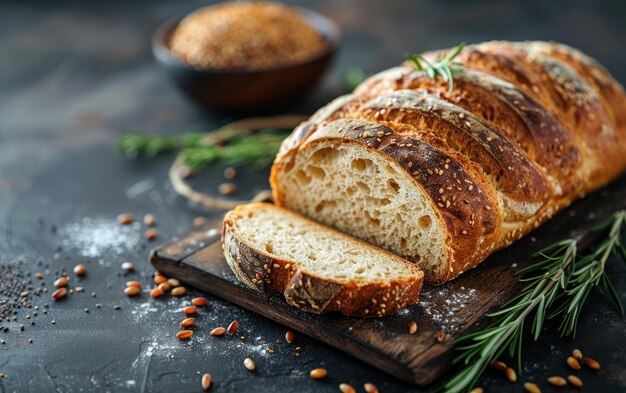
[318, 269]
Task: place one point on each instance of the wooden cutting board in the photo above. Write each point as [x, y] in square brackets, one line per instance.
[385, 343]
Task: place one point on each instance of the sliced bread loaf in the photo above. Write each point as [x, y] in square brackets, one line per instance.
[318, 269]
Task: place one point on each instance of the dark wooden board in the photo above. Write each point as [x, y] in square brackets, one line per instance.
[455, 307]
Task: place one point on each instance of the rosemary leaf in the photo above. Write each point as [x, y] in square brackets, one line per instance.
[558, 285]
[198, 149]
[444, 66]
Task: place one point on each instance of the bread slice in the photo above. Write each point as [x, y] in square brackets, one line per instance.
[318, 269]
[394, 187]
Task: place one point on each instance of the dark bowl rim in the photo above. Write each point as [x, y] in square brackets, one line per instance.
[331, 33]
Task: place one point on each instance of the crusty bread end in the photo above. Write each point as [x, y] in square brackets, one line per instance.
[329, 271]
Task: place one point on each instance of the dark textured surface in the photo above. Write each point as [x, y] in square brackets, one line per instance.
[74, 75]
[452, 308]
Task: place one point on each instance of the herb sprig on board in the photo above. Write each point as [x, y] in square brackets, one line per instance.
[444, 66]
[557, 286]
[200, 149]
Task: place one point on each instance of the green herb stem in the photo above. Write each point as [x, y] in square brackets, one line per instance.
[557, 285]
[444, 66]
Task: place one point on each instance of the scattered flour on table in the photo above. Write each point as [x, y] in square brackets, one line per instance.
[93, 237]
[139, 188]
[444, 312]
[162, 343]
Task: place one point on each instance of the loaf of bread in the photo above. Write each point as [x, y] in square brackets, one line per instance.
[445, 177]
[318, 269]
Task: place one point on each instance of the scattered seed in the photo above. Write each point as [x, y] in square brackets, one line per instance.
[573, 363]
[499, 365]
[125, 219]
[38, 275]
[133, 284]
[232, 328]
[199, 221]
[24, 294]
[575, 381]
[346, 388]
[179, 291]
[173, 282]
[319, 373]
[412, 327]
[184, 334]
[128, 266]
[477, 390]
[577, 354]
[150, 234]
[440, 336]
[206, 381]
[557, 381]
[80, 270]
[218, 331]
[249, 364]
[61, 282]
[155, 293]
[30, 340]
[132, 291]
[164, 286]
[531, 388]
[59, 294]
[591, 363]
[227, 188]
[230, 172]
[289, 336]
[188, 322]
[148, 219]
[511, 375]
[199, 301]
[190, 310]
[370, 388]
[159, 279]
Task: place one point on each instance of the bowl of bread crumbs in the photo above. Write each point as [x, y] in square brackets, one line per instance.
[247, 57]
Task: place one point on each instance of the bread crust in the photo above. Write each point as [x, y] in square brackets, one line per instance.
[269, 273]
[458, 191]
[522, 184]
[511, 112]
[551, 113]
[563, 91]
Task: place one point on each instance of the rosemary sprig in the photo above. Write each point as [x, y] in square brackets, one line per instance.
[443, 66]
[136, 145]
[197, 150]
[257, 150]
[556, 286]
[589, 272]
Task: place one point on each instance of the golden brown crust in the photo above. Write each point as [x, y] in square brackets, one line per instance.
[563, 91]
[337, 108]
[610, 91]
[522, 184]
[458, 191]
[268, 273]
[553, 114]
[511, 112]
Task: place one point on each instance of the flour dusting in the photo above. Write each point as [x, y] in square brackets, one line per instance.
[139, 188]
[93, 237]
[444, 313]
